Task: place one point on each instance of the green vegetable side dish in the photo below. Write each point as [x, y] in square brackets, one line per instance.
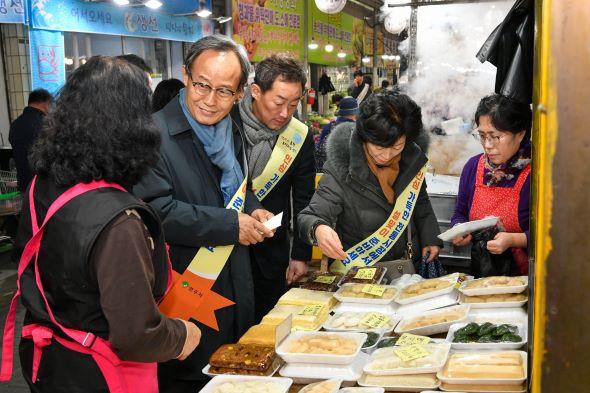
[487, 333]
[387, 342]
[371, 339]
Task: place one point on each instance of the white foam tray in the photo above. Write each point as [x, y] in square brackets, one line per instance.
[394, 320]
[378, 282]
[449, 299]
[522, 332]
[313, 385]
[431, 329]
[440, 362]
[466, 390]
[284, 383]
[487, 381]
[360, 389]
[498, 315]
[291, 357]
[493, 304]
[467, 227]
[401, 388]
[304, 373]
[390, 309]
[348, 299]
[494, 290]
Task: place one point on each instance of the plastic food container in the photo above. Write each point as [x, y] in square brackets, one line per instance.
[381, 270]
[304, 373]
[332, 324]
[487, 365]
[498, 316]
[522, 332]
[491, 304]
[282, 384]
[446, 283]
[468, 289]
[441, 327]
[449, 299]
[358, 389]
[385, 361]
[342, 296]
[401, 383]
[329, 386]
[273, 369]
[370, 348]
[295, 357]
[446, 387]
[390, 308]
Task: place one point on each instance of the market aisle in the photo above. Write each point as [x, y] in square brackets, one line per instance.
[7, 288]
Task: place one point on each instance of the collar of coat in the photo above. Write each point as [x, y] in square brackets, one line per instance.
[346, 160]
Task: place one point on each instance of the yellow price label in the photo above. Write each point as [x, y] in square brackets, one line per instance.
[375, 290]
[411, 352]
[312, 310]
[407, 339]
[366, 273]
[325, 279]
[375, 320]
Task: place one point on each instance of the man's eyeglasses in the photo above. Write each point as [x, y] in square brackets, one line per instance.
[203, 89]
[494, 140]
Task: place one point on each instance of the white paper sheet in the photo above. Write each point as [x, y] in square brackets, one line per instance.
[274, 222]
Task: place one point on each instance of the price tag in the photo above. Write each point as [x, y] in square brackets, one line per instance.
[325, 279]
[366, 273]
[407, 339]
[411, 352]
[375, 320]
[312, 311]
[375, 290]
[458, 285]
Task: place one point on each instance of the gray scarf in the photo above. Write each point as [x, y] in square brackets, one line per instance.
[260, 140]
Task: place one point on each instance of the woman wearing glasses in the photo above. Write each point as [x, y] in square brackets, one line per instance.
[497, 182]
[373, 169]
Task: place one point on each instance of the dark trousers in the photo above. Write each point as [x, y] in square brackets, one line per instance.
[267, 291]
[170, 385]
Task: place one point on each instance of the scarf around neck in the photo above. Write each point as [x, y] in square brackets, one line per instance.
[495, 175]
[386, 174]
[260, 140]
[218, 143]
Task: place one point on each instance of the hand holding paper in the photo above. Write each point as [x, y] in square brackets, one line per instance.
[274, 222]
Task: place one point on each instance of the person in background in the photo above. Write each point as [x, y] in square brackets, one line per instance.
[266, 114]
[96, 305]
[348, 111]
[25, 130]
[385, 85]
[365, 89]
[356, 86]
[138, 62]
[202, 165]
[498, 182]
[165, 92]
[370, 163]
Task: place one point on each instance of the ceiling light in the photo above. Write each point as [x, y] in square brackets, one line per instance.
[366, 59]
[313, 45]
[68, 61]
[153, 4]
[385, 57]
[204, 13]
[223, 19]
[329, 48]
[341, 54]
[121, 2]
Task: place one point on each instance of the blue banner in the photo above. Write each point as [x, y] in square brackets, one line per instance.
[48, 70]
[105, 18]
[12, 11]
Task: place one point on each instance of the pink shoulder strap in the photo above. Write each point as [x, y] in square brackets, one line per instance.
[32, 250]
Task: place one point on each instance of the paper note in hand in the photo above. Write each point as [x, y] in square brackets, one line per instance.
[274, 222]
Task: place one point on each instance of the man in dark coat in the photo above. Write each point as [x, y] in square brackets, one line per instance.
[25, 130]
[202, 165]
[267, 115]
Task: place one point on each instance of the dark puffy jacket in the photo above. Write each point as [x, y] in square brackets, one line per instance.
[350, 199]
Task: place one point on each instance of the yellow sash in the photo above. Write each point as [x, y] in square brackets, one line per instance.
[282, 156]
[370, 250]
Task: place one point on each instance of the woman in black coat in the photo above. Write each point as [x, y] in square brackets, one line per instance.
[369, 165]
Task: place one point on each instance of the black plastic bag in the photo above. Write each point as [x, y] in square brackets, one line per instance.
[431, 269]
[484, 263]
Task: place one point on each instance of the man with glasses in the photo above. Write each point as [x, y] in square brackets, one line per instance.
[280, 153]
[202, 170]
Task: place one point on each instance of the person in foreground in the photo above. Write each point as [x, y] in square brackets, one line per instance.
[94, 257]
[497, 182]
[370, 164]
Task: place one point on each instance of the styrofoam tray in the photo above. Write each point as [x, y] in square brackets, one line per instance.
[522, 332]
[337, 382]
[467, 390]
[449, 299]
[398, 388]
[304, 373]
[488, 381]
[438, 363]
[467, 227]
[405, 280]
[432, 329]
[493, 304]
[340, 283]
[498, 316]
[394, 320]
[291, 357]
[370, 349]
[452, 278]
[390, 309]
[359, 389]
[347, 299]
[283, 383]
[275, 367]
[494, 290]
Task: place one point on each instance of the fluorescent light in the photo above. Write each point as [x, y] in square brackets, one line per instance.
[121, 2]
[366, 59]
[341, 54]
[223, 19]
[204, 13]
[329, 48]
[68, 61]
[153, 4]
[313, 45]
